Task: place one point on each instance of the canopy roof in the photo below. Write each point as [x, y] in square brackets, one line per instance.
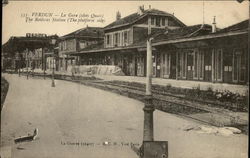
[18, 44]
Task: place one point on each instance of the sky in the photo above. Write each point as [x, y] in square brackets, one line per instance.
[189, 12]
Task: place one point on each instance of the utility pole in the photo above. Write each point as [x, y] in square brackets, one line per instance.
[148, 131]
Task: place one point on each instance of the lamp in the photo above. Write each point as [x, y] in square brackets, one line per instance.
[53, 42]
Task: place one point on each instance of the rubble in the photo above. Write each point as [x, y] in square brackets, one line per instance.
[27, 138]
[225, 131]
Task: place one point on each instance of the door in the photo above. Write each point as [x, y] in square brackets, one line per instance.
[239, 66]
[158, 65]
[154, 60]
[181, 64]
[190, 65]
[140, 65]
[172, 65]
[227, 68]
[217, 65]
[166, 65]
[136, 65]
[208, 65]
[125, 65]
[198, 69]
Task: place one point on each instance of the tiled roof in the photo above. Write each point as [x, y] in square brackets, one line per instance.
[94, 32]
[184, 32]
[135, 16]
[126, 20]
[172, 34]
[94, 46]
[236, 27]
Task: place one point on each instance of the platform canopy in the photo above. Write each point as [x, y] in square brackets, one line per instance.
[18, 44]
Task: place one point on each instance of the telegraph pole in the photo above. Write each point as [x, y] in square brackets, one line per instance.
[148, 130]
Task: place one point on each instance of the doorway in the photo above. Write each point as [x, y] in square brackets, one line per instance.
[190, 65]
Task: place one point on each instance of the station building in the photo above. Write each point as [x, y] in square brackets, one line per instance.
[199, 52]
[75, 42]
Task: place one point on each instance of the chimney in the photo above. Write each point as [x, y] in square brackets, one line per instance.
[140, 10]
[118, 15]
[214, 25]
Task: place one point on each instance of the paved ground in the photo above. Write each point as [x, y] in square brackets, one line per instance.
[72, 113]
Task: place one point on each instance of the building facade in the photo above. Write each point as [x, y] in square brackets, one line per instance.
[124, 38]
[199, 52]
[75, 42]
[220, 56]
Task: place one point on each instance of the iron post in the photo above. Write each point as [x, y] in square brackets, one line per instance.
[19, 66]
[27, 64]
[148, 130]
[53, 72]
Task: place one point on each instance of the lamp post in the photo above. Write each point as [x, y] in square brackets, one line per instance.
[148, 130]
[19, 68]
[53, 71]
[43, 63]
[19, 64]
[53, 41]
[150, 148]
[27, 63]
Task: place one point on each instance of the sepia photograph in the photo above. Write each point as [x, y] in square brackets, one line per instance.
[125, 79]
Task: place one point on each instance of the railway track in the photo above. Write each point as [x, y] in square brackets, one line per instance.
[170, 104]
[197, 102]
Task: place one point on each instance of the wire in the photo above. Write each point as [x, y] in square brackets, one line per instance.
[203, 18]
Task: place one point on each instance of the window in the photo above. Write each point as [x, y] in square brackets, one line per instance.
[171, 22]
[125, 37]
[108, 39]
[116, 39]
[82, 44]
[64, 45]
[152, 20]
[158, 21]
[163, 21]
[61, 46]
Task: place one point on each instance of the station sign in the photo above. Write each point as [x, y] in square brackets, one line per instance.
[36, 35]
